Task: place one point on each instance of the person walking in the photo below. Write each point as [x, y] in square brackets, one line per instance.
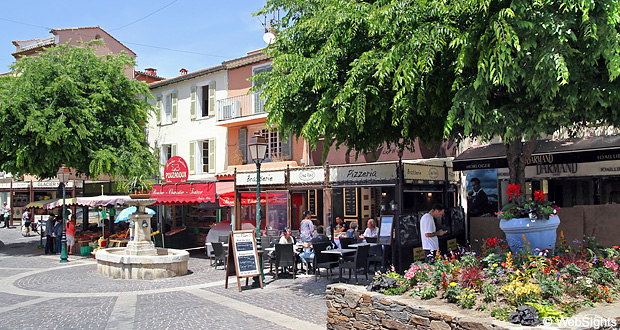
[6, 211]
[70, 235]
[57, 231]
[430, 242]
[26, 223]
[306, 227]
[49, 226]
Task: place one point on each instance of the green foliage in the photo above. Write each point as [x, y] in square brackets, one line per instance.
[501, 313]
[490, 291]
[572, 270]
[467, 299]
[550, 287]
[452, 292]
[548, 312]
[70, 106]
[428, 292]
[136, 184]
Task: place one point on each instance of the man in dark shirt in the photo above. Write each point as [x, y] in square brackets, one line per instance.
[308, 254]
[477, 200]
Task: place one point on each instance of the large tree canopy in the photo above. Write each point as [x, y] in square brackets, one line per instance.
[70, 106]
[366, 72]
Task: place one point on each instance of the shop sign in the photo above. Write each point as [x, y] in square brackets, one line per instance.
[176, 170]
[604, 168]
[363, 173]
[313, 175]
[249, 178]
[418, 172]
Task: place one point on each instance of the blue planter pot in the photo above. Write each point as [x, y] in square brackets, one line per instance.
[540, 234]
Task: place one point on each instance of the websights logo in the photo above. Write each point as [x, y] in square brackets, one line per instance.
[586, 322]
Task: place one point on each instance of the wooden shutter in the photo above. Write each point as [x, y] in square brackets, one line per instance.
[192, 103]
[211, 98]
[174, 150]
[287, 147]
[158, 109]
[243, 144]
[212, 155]
[192, 157]
[174, 106]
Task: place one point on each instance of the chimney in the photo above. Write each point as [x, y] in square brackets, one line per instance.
[183, 71]
[151, 71]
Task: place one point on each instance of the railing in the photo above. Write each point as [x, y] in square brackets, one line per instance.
[240, 106]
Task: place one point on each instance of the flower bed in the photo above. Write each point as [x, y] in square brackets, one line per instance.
[557, 284]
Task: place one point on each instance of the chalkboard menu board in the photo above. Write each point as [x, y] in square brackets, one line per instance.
[242, 256]
[385, 230]
[312, 201]
[350, 202]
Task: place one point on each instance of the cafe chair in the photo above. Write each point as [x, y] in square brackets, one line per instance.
[375, 256]
[371, 239]
[359, 261]
[346, 241]
[322, 260]
[219, 253]
[223, 239]
[285, 258]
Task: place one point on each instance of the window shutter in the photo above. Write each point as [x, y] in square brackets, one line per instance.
[212, 98]
[192, 103]
[243, 144]
[158, 109]
[287, 148]
[192, 157]
[174, 150]
[174, 106]
[212, 155]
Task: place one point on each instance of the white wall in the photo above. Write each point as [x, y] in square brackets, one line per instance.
[186, 129]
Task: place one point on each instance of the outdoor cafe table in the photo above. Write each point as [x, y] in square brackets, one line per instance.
[341, 253]
[360, 244]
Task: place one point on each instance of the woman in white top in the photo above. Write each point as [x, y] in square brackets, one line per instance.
[372, 230]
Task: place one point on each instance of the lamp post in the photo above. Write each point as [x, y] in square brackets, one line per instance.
[258, 150]
[63, 177]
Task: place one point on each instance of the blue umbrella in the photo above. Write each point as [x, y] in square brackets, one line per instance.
[124, 214]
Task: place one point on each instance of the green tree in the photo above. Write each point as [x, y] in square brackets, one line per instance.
[70, 106]
[362, 73]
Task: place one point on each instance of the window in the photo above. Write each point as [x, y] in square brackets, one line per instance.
[205, 156]
[167, 109]
[202, 156]
[258, 104]
[205, 101]
[277, 149]
[168, 151]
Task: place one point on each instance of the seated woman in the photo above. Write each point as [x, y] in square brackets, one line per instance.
[352, 232]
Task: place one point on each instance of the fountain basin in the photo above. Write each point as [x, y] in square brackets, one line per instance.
[114, 262]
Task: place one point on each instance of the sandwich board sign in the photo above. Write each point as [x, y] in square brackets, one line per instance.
[243, 259]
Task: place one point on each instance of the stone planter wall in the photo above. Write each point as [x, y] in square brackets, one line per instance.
[352, 307]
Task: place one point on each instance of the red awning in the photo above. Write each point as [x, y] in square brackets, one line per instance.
[247, 198]
[184, 193]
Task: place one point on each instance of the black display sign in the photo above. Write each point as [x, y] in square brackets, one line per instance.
[242, 257]
[350, 202]
[312, 201]
[409, 230]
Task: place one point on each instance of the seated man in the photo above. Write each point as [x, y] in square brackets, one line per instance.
[308, 254]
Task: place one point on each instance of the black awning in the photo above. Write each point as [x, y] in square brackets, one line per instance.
[584, 150]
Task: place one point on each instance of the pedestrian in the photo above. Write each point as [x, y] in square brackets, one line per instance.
[49, 226]
[430, 242]
[6, 211]
[70, 235]
[58, 233]
[2, 216]
[26, 223]
[306, 227]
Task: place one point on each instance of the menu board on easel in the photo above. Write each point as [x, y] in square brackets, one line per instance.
[385, 230]
[350, 202]
[242, 257]
[312, 201]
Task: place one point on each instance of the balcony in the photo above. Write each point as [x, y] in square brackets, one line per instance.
[234, 109]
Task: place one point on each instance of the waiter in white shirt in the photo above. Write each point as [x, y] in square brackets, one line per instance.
[428, 231]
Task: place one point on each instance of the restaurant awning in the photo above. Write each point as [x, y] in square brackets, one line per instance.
[249, 198]
[584, 150]
[39, 204]
[94, 201]
[184, 193]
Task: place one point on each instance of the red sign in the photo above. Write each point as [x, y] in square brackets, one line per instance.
[176, 170]
[189, 193]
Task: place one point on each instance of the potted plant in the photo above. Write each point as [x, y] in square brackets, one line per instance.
[137, 187]
[534, 221]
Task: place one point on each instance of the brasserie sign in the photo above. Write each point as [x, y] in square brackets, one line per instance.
[267, 178]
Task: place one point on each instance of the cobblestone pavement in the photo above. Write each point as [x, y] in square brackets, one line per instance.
[38, 292]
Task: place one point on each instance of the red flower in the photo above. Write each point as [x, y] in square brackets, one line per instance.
[539, 196]
[446, 262]
[513, 190]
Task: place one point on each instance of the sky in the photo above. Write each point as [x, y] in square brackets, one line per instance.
[165, 34]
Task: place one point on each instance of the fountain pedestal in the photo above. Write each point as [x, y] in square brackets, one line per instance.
[140, 259]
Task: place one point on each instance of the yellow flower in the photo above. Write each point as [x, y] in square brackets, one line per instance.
[494, 265]
[452, 284]
[470, 296]
[458, 297]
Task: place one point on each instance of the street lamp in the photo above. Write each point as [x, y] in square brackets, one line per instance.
[258, 150]
[63, 177]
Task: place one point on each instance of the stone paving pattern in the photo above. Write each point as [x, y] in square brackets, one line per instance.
[38, 292]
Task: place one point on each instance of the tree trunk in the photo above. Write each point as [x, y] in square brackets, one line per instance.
[517, 154]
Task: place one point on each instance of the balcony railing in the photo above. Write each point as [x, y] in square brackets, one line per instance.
[240, 106]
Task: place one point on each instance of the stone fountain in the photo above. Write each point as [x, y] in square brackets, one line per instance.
[140, 259]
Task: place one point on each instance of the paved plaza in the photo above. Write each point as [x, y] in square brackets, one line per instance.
[38, 292]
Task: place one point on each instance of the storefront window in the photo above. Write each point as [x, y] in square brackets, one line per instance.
[277, 209]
